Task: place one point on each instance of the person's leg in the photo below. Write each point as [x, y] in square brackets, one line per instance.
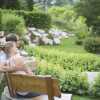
[28, 95]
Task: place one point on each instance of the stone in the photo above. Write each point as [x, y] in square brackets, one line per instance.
[50, 42]
[56, 41]
[45, 40]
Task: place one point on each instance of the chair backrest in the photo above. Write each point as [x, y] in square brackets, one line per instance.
[38, 84]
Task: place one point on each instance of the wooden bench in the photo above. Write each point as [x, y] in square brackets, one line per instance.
[38, 84]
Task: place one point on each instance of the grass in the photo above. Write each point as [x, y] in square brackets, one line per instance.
[67, 45]
[83, 98]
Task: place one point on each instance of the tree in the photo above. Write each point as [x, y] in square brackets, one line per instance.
[17, 4]
[30, 4]
[91, 10]
[9, 4]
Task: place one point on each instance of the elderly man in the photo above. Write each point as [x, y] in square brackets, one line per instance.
[3, 58]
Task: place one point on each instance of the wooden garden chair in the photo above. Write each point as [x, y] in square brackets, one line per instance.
[37, 84]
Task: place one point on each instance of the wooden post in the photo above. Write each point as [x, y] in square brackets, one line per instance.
[11, 91]
[50, 88]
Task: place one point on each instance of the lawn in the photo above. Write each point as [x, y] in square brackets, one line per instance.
[83, 98]
[68, 45]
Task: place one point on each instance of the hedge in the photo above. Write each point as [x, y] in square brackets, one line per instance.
[39, 20]
[92, 44]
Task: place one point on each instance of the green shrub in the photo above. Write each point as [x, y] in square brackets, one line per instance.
[92, 44]
[30, 50]
[80, 28]
[45, 68]
[12, 23]
[70, 61]
[39, 20]
[74, 82]
[70, 81]
[32, 19]
[96, 86]
[79, 41]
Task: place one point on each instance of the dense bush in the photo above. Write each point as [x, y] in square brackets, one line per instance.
[17, 4]
[34, 19]
[62, 17]
[74, 82]
[79, 41]
[70, 61]
[92, 44]
[12, 23]
[66, 18]
[70, 81]
[38, 20]
[80, 28]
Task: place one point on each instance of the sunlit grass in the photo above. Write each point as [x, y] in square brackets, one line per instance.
[67, 45]
[84, 98]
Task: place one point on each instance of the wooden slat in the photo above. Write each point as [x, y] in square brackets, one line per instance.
[34, 83]
[28, 83]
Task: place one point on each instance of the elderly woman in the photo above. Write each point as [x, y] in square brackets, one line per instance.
[15, 64]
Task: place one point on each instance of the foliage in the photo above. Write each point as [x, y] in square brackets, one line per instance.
[32, 19]
[9, 4]
[38, 8]
[12, 23]
[92, 44]
[78, 97]
[39, 20]
[30, 50]
[96, 86]
[70, 81]
[61, 15]
[79, 41]
[66, 67]
[90, 9]
[70, 61]
[80, 28]
[66, 19]
[74, 82]
[17, 4]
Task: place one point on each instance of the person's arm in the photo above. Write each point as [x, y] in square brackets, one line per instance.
[18, 66]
